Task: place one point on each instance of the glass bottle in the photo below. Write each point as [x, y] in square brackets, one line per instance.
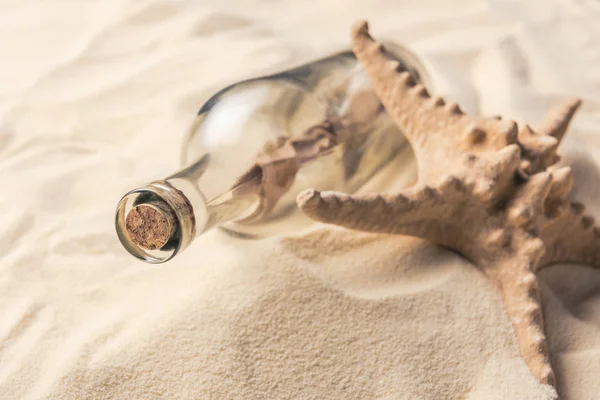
[255, 145]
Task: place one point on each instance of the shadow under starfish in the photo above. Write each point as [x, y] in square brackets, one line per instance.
[487, 188]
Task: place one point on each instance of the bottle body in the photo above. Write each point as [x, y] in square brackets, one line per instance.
[255, 145]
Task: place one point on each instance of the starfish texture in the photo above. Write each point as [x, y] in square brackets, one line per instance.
[487, 188]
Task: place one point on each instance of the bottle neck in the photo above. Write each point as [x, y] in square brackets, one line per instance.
[161, 219]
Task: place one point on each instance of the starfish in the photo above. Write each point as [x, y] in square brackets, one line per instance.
[487, 188]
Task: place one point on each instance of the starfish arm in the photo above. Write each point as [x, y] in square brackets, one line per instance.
[435, 129]
[406, 101]
[540, 146]
[571, 237]
[414, 212]
[556, 121]
[518, 287]
[569, 234]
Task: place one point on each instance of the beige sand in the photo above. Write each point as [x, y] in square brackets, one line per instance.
[329, 314]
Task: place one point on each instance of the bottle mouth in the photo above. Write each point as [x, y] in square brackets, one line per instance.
[155, 222]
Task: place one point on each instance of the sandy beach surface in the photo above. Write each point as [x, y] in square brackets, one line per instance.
[95, 98]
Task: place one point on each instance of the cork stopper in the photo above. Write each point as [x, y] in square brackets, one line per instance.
[149, 226]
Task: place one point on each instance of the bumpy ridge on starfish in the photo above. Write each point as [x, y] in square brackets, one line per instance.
[487, 188]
